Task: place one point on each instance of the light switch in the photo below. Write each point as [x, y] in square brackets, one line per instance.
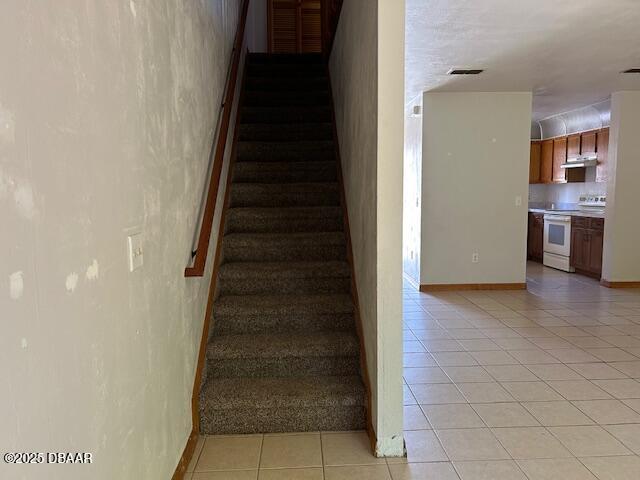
[518, 201]
[134, 243]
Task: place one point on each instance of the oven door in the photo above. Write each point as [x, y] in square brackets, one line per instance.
[557, 234]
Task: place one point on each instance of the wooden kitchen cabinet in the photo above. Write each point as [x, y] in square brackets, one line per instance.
[534, 162]
[547, 157]
[573, 146]
[596, 245]
[559, 157]
[535, 237]
[588, 143]
[602, 146]
[579, 248]
[587, 235]
[546, 161]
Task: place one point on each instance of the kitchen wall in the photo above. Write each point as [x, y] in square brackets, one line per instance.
[367, 76]
[475, 167]
[542, 196]
[107, 115]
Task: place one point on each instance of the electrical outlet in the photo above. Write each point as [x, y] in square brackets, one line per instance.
[475, 257]
[134, 244]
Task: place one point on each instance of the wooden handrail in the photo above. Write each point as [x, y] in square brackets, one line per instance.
[200, 253]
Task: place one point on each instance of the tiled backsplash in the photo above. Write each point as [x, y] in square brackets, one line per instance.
[563, 195]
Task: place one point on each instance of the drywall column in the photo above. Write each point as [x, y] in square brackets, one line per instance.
[367, 73]
[475, 179]
[621, 256]
[389, 225]
[412, 191]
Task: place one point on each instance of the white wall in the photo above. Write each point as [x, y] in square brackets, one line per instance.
[257, 26]
[107, 112]
[412, 191]
[367, 78]
[621, 256]
[475, 163]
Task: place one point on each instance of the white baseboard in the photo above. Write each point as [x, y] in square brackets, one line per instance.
[391, 446]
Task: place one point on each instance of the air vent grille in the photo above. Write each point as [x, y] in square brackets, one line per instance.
[632, 70]
[465, 71]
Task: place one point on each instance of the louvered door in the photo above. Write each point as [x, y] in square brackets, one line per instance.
[295, 26]
[283, 26]
[310, 26]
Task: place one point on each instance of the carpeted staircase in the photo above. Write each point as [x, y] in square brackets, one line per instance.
[283, 354]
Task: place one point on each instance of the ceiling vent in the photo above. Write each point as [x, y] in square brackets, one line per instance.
[632, 70]
[465, 71]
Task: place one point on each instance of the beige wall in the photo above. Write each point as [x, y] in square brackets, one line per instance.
[107, 112]
[621, 257]
[257, 26]
[475, 163]
[367, 78]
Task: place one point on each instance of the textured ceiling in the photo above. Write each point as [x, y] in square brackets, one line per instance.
[568, 52]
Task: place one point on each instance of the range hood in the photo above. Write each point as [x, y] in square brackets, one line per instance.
[582, 161]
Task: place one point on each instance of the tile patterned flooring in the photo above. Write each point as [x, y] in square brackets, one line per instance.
[537, 385]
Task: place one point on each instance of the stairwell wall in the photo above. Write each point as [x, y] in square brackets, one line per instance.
[367, 73]
[107, 116]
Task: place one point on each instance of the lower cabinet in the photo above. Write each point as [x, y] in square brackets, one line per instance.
[535, 239]
[586, 245]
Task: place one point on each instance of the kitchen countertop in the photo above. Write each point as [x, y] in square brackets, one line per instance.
[572, 213]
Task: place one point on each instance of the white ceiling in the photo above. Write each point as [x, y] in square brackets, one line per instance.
[568, 52]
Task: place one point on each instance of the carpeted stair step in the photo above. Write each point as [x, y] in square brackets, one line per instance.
[285, 151]
[275, 405]
[274, 99]
[291, 354]
[286, 84]
[267, 132]
[283, 353]
[282, 247]
[274, 220]
[285, 172]
[286, 70]
[278, 58]
[284, 195]
[284, 115]
[242, 314]
[259, 278]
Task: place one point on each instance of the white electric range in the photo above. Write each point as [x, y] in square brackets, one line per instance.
[557, 231]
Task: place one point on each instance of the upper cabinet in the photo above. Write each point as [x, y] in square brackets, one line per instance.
[602, 139]
[573, 146]
[534, 162]
[559, 157]
[588, 143]
[546, 161]
[547, 157]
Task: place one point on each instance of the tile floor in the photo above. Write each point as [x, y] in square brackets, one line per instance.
[538, 385]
